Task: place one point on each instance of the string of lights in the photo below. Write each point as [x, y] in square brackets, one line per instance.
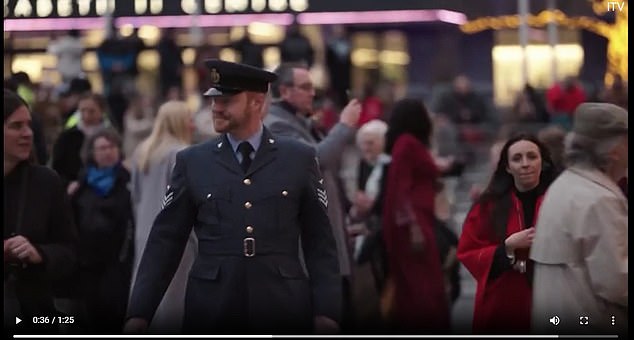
[615, 33]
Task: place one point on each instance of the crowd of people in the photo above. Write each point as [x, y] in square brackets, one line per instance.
[164, 222]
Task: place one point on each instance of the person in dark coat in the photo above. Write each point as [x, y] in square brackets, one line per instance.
[250, 197]
[40, 239]
[103, 213]
[67, 149]
[250, 52]
[339, 62]
[296, 48]
[171, 63]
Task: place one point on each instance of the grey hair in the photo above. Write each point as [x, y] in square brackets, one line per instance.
[374, 128]
[589, 152]
[285, 76]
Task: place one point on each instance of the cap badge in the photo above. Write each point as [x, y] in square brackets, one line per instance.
[215, 76]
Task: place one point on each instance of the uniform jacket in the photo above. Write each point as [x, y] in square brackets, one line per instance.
[147, 190]
[48, 224]
[502, 304]
[420, 300]
[247, 276]
[580, 253]
[282, 122]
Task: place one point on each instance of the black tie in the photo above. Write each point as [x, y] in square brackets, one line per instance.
[245, 150]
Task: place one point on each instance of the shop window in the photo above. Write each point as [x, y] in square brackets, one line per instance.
[34, 65]
[271, 57]
[189, 56]
[126, 30]
[507, 66]
[149, 34]
[265, 33]
[90, 62]
[149, 60]
[228, 54]
[93, 38]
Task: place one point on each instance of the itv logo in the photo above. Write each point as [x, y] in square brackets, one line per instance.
[613, 6]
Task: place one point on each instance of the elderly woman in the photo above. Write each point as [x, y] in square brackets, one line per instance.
[367, 204]
[103, 214]
[580, 248]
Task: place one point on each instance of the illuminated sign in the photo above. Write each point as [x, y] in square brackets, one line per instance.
[91, 8]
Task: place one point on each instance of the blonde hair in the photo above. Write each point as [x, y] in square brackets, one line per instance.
[170, 127]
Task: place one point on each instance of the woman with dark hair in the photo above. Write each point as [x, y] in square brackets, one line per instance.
[498, 232]
[414, 267]
[103, 212]
[39, 235]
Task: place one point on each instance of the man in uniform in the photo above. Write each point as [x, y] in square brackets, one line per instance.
[249, 196]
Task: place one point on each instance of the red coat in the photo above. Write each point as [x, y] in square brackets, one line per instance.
[502, 305]
[420, 302]
[562, 101]
[371, 108]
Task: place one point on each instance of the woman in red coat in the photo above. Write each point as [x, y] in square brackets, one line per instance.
[420, 304]
[497, 235]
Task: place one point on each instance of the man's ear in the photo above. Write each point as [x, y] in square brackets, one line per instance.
[284, 91]
[257, 101]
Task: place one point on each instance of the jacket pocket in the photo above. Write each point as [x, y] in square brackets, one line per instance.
[205, 270]
[291, 270]
[208, 213]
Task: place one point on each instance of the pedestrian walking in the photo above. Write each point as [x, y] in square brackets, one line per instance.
[152, 167]
[580, 248]
[249, 196]
[498, 232]
[40, 239]
[420, 303]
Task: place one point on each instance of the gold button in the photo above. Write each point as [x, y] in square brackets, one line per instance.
[284, 193]
[249, 229]
[248, 205]
[247, 181]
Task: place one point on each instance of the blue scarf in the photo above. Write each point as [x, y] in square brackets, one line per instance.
[101, 180]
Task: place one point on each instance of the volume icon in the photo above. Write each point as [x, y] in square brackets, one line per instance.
[613, 320]
[554, 320]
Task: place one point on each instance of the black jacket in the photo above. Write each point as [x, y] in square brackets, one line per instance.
[48, 224]
[67, 154]
[104, 223]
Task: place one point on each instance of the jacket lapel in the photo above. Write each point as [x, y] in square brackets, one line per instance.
[265, 154]
[225, 155]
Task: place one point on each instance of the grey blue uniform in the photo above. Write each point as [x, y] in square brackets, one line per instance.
[247, 276]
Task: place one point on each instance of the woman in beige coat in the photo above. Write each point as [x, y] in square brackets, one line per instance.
[152, 166]
[580, 248]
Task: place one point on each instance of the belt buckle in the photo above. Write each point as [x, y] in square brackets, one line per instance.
[249, 247]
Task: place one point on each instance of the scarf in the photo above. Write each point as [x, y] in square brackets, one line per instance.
[101, 180]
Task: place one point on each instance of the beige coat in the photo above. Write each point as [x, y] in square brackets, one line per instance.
[580, 253]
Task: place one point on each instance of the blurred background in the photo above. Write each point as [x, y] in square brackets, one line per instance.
[503, 62]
